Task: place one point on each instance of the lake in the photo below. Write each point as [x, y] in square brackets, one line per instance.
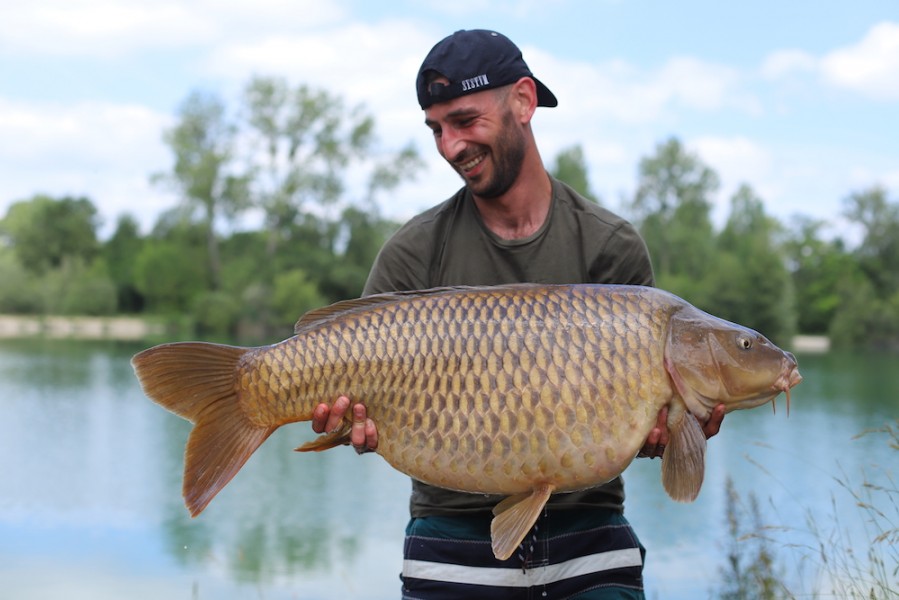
[90, 491]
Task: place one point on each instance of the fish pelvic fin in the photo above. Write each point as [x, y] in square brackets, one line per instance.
[683, 465]
[196, 381]
[514, 517]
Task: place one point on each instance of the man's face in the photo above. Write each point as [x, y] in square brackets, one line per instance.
[478, 136]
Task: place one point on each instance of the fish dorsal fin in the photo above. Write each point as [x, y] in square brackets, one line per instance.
[683, 465]
[514, 518]
[324, 314]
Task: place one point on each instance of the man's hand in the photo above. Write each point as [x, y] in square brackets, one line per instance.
[363, 435]
[658, 435]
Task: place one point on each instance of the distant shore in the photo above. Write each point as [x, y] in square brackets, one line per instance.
[135, 328]
[93, 328]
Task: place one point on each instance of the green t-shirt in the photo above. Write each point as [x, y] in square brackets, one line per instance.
[580, 242]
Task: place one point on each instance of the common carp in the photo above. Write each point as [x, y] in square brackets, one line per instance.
[521, 390]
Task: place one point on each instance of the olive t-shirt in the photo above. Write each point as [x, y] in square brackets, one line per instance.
[580, 242]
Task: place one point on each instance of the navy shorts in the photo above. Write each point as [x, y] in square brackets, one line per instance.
[571, 554]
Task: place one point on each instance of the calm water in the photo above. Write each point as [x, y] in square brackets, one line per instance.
[90, 480]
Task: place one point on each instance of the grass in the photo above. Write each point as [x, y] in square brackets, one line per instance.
[843, 561]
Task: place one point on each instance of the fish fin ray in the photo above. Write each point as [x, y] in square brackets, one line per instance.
[515, 518]
[196, 381]
[683, 465]
[338, 437]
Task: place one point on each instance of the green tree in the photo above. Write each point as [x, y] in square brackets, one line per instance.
[44, 232]
[672, 209]
[168, 276]
[571, 167]
[749, 282]
[869, 304]
[203, 144]
[120, 252]
[302, 142]
[818, 269]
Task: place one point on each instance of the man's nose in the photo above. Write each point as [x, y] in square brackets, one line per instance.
[451, 144]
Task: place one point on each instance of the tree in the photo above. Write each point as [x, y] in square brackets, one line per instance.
[571, 168]
[818, 268]
[749, 282]
[672, 210]
[869, 304]
[302, 141]
[120, 252]
[203, 144]
[44, 232]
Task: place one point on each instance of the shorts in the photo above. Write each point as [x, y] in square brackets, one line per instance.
[570, 554]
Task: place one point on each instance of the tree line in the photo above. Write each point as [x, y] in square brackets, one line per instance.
[288, 152]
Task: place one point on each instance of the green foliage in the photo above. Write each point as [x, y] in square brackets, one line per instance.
[571, 168]
[869, 299]
[44, 231]
[749, 282]
[672, 209]
[168, 276]
[18, 293]
[293, 295]
[120, 253]
[216, 313]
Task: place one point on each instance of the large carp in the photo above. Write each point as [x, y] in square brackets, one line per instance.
[521, 390]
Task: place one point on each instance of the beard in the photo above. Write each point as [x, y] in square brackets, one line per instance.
[507, 156]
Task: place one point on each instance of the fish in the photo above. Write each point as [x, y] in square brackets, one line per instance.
[522, 390]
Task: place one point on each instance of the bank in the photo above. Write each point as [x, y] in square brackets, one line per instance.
[98, 328]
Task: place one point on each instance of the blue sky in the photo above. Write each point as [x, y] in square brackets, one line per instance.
[798, 99]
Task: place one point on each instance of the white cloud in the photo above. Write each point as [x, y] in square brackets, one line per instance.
[870, 67]
[108, 28]
[785, 63]
[100, 150]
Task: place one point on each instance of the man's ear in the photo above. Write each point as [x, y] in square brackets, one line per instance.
[524, 98]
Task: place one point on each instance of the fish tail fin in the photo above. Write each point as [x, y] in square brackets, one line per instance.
[683, 465]
[195, 380]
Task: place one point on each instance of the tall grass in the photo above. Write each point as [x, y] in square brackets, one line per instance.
[836, 557]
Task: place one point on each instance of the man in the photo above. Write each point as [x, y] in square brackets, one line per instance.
[510, 223]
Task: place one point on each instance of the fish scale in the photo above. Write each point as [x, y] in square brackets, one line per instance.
[414, 377]
[522, 391]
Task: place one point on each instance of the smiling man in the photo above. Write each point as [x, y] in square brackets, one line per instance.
[510, 223]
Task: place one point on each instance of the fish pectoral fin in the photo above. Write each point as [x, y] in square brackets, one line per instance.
[338, 437]
[514, 518]
[683, 465]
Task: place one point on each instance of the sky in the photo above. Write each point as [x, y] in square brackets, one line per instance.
[799, 99]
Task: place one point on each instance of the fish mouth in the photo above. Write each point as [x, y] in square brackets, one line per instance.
[789, 379]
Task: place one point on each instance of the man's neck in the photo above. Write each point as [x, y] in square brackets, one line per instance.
[522, 210]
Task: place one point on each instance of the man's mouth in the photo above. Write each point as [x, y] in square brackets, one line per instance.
[468, 165]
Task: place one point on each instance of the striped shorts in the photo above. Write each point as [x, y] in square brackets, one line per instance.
[572, 554]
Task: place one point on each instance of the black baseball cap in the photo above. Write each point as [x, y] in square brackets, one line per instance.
[474, 60]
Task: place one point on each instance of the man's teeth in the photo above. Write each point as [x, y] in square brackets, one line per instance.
[472, 163]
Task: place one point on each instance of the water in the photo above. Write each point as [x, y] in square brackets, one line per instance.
[90, 479]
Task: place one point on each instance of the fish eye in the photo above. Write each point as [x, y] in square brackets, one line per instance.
[744, 342]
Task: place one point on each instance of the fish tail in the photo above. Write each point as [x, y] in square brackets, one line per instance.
[195, 380]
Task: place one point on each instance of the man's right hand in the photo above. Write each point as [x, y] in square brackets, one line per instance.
[363, 435]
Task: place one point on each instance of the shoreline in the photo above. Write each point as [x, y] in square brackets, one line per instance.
[137, 328]
[82, 328]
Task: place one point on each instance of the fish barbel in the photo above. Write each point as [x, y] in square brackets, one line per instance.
[522, 390]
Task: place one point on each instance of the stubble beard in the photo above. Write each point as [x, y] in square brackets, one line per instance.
[507, 156]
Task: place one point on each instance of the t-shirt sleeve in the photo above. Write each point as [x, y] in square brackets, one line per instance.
[624, 259]
[401, 265]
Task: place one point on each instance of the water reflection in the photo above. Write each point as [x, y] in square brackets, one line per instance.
[91, 488]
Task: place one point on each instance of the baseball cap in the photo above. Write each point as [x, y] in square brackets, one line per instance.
[474, 60]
